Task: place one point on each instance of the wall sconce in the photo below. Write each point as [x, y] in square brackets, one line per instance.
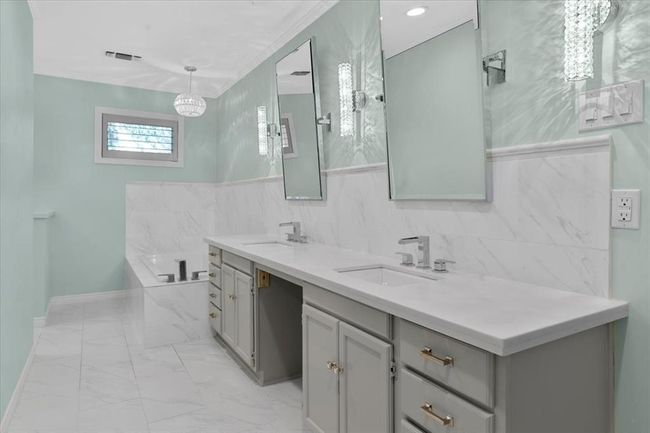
[263, 131]
[494, 66]
[583, 18]
[350, 100]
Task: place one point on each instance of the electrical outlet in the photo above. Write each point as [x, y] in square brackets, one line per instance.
[625, 202]
[626, 207]
[624, 216]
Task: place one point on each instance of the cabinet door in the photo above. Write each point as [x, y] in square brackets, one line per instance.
[244, 316]
[366, 383]
[319, 383]
[229, 320]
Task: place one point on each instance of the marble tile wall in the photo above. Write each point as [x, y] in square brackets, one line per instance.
[547, 224]
[166, 217]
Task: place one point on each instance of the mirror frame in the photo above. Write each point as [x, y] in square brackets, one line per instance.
[319, 133]
[487, 190]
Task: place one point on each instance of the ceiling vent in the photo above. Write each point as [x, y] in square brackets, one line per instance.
[300, 73]
[122, 56]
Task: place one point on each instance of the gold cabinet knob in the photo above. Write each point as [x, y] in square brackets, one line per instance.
[334, 367]
[212, 275]
[213, 296]
[212, 254]
[213, 315]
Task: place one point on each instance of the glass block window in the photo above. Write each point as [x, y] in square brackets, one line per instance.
[141, 138]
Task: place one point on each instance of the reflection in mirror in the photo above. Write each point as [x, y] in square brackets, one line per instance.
[299, 134]
[434, 101]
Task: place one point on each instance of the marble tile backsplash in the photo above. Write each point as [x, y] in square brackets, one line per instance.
[547, 224]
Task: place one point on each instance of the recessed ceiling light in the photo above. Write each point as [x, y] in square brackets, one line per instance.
[416, 11]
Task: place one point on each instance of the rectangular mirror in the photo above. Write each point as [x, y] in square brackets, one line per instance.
[433, 80]
[301, 139]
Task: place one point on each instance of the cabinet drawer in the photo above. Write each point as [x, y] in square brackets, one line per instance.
[215, 318]
[215, 295]
[238, 262]
[407, 427]
[459, 366]
[438, 410]
[214, 254]
[214, 275]
[351, 311]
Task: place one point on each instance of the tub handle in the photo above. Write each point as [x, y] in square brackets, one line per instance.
[170, 277]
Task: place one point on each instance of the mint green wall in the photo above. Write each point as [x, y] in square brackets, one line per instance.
[302, 178]
[348, 32]
[434, 113]
[86, 235]
[19, 302]
[536, 105]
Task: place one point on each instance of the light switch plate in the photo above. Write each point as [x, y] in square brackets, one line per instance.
[626, 208]
[608, 107]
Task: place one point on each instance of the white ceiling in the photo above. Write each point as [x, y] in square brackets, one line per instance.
[224, 39]
[400, 32]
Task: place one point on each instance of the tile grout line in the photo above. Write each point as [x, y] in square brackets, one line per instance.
[135, 376]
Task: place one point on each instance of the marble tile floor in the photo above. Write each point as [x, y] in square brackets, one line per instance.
[88, 376]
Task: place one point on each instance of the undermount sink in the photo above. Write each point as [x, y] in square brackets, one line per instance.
[273, 243]
[386, 276]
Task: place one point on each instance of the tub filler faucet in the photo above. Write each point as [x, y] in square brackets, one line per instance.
[182, 270]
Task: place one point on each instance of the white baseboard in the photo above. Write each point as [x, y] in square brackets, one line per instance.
[86, 297]
[13, 401]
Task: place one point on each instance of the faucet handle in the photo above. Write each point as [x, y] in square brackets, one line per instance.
[407, 258]
[170, 277]
[440, 265]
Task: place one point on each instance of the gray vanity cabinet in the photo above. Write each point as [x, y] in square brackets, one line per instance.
[229, 326]
[237, 308]
[214, 289]
[243, 300]
[366, 383]
[347, 376]
[320, 339]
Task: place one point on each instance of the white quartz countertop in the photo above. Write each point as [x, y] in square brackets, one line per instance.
[497, 315]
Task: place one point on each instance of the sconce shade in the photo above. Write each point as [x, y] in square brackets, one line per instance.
[582, 18]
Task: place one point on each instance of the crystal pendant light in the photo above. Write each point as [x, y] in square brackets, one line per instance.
[582, 18]
[189, 104]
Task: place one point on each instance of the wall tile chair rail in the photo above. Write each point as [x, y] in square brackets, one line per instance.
[548, 222]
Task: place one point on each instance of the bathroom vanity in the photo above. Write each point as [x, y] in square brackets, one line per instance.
[386, 349]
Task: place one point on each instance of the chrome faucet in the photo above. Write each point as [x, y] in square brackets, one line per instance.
[424, 262]
[296, 236]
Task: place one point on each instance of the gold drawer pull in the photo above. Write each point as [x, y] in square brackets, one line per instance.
[212, 275]
[213, 315]
[427, 354]
[212, 295]
[212, 254]
[442, 420]
[233, 297]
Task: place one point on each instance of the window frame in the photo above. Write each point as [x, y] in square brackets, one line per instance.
[105, 156]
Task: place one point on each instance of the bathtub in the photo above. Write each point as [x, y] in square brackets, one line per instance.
[160, 264]
[162, 313]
